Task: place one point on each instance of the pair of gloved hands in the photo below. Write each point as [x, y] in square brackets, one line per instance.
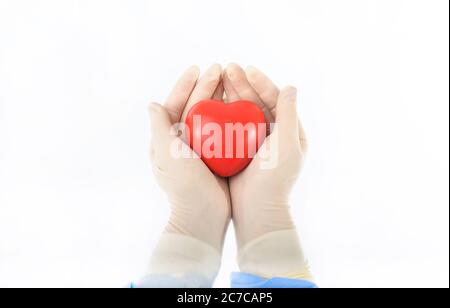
[257, 199]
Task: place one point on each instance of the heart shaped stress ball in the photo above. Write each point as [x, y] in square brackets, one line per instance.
[226, 135]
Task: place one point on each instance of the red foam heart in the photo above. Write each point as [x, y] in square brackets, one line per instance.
[242, 128]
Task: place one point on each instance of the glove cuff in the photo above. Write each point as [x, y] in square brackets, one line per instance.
[179, 256]
[276, 254]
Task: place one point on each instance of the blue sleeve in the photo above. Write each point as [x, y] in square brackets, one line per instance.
[238, 280]
[167, 281]
[244, 280]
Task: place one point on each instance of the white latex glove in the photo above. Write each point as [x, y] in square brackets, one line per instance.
[199, 200]
[267, 240]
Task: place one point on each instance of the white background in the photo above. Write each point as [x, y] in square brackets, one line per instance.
[78, 202]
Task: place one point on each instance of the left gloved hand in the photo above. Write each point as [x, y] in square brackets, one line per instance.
[267, 240]
[189, 252]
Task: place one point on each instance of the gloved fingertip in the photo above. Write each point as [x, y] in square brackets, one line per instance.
[154, 108]
[252, 73]
[288, 94]
[232, 70]
[194, 70]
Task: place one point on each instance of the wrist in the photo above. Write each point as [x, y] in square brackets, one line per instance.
[205, 222]
[253, 220]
